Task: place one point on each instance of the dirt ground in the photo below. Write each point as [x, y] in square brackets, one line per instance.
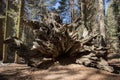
[57, 71]
[54, 72]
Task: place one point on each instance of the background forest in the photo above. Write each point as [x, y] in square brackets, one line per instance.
[60, 39]
[69, 22]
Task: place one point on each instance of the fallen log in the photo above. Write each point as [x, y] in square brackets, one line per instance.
[23, 51]
[91, 60]
[34, 57]
[54, 39]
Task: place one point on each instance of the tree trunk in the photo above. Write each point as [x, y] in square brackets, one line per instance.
[12, 27]
[101, 18]
[20, 18]
[6, 29]
[72, 10]
[83, 15]
[89, 20]
[113, 22]
[1, 29]
[1, 38]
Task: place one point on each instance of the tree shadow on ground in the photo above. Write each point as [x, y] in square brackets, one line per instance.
[61, 60]
[70, 73]
[2, 77]
[16, 74]
[45, 64]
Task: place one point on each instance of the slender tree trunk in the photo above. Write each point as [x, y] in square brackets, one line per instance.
[1, 29]
[72, 10]
[83, 15]
[101, 21]
[6, 29]
[1, 38]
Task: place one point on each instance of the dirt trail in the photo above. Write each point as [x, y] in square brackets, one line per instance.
[54, 72]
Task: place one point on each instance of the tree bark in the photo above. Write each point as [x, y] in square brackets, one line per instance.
[113, 22]
[1, 29]
[6, 34]
[101, 19]
[20, 18]
[83, 16]
[89, 20]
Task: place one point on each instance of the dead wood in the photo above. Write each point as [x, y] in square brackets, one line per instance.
[53, 39]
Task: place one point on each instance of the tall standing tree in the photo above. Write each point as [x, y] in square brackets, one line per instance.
[89, 21]
[6, 28]
[12, 26]
[19, 25]
[1, 28]
[72, 9]
[101, 21]
[113, 22]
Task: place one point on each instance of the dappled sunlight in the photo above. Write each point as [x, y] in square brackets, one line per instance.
[59, 39]
[73, 72]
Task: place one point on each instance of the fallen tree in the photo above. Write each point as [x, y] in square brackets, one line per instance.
[54, 39]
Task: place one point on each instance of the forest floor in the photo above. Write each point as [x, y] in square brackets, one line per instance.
[55, 71]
